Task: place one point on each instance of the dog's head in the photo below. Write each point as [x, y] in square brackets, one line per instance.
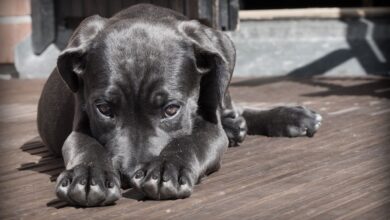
[141, 84]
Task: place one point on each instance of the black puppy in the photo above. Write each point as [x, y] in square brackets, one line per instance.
[141, 99]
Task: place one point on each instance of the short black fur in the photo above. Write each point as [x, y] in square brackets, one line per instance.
[104, 108]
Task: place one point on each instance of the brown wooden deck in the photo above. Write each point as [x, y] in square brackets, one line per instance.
[341, 173]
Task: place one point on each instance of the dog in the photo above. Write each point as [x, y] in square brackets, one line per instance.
[141, 100]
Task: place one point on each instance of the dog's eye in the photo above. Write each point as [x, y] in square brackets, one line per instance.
[171, 110]
[105, 109]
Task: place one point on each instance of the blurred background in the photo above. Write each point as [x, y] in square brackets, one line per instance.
[273, 38]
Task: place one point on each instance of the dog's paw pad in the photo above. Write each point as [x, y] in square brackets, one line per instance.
[318, 121]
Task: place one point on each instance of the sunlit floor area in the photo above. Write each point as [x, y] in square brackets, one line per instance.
[343, 172]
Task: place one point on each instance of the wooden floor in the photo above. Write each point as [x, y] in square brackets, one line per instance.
[341, 173]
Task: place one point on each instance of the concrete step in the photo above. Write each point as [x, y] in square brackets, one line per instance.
[308, 46]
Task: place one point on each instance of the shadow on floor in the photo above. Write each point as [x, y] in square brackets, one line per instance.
[47, 164]
[374, 87]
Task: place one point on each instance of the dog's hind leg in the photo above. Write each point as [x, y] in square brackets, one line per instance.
[282, 121]
[233, 122]
[55, 113]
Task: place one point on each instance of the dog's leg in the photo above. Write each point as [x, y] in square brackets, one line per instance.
[282, 121]
[182, 163]
[89, 178]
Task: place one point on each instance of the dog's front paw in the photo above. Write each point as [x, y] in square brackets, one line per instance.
[293, 122]
[86, 185]
[163, 179]
[235, 126]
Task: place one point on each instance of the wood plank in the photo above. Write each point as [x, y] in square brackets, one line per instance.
[341, 173]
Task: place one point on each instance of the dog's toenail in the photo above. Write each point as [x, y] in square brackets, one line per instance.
[110, 184]
[83, 182]
[155, 176]
[93, 182]
[65, 183]
[317, 125]
[139, 174]
[182, 181]
[165, 178]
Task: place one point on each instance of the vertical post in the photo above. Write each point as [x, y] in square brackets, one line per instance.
[219, 14]
[234, 7]
[177, 5]
[43, 24]
[224, 15]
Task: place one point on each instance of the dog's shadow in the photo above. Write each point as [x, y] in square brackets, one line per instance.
[48, 164]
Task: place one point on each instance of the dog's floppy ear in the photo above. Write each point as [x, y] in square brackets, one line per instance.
[71, 62]
[214, 55]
